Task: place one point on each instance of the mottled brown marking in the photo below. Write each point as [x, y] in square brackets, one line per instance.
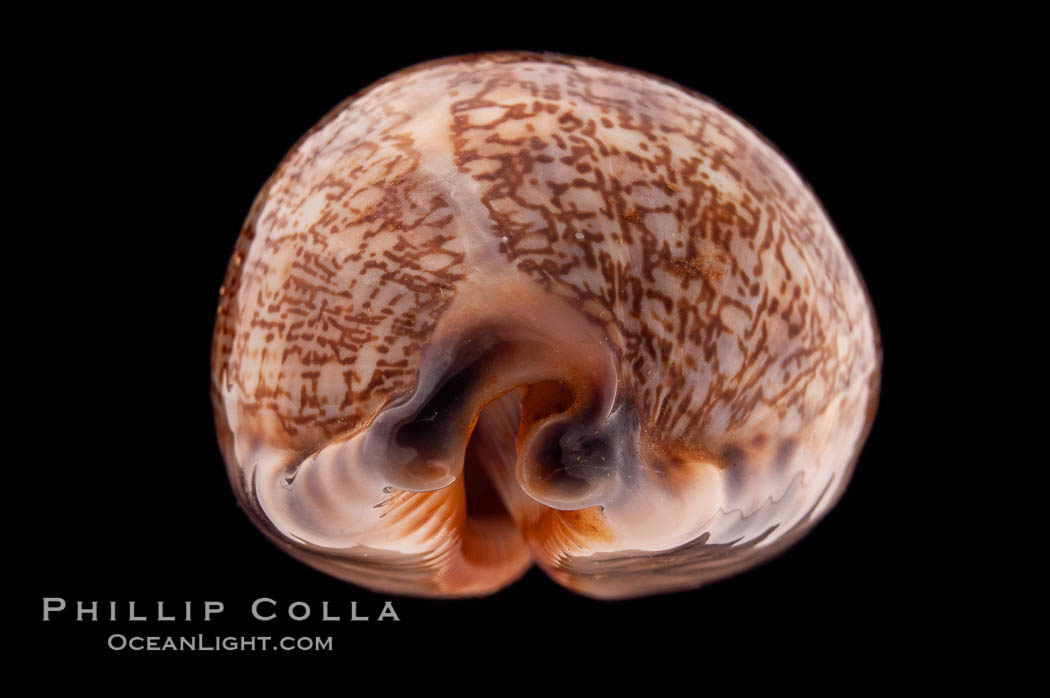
[695, 268]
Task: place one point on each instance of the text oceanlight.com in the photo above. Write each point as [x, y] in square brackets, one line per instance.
[217, 643]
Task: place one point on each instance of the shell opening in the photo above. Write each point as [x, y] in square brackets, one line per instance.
[572, 432]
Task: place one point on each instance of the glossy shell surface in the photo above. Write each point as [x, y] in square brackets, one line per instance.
[514, 309]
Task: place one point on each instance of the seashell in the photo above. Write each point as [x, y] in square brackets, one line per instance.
[513, 309]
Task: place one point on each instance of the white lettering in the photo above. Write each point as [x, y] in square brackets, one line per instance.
[255, 608]
[131, 613]
[324, 612]
[53, 603]
[306, 611]
[83, 611]
[353, 612]
[160, 612]
[212, 607]
[388, 612]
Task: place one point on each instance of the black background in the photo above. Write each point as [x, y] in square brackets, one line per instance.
[153, 147]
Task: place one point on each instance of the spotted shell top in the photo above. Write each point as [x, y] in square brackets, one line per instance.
[508, 309]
